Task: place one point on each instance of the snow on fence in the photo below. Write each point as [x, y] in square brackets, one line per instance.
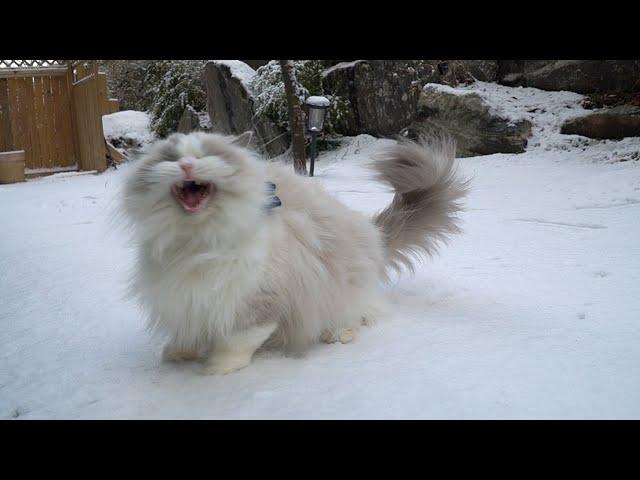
[53, 110]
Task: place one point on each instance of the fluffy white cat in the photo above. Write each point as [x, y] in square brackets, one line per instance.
[236, 253]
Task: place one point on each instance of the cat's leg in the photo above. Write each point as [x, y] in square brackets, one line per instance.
[372, 310]
[235, 352]
[172, 353]
[375, 310]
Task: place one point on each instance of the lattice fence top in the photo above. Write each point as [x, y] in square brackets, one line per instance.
[32, 63]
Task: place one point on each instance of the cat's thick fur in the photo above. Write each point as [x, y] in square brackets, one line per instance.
[221, 275]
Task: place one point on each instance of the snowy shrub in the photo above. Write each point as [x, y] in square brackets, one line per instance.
[268, 88]
[125, 79]
[339, 108]
[170, 86]
[161, 87]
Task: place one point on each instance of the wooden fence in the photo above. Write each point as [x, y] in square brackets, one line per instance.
[54, 113]
[36, 117]
[87, 113]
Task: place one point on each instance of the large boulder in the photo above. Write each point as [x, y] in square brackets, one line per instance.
[189, 121]
[192, 120]
[510, 72]
[380, 97]
[581, 76]
[231, 106]
[477, 129]
[615, 123]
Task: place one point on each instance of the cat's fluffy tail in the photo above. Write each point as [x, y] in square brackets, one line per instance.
[428, 194]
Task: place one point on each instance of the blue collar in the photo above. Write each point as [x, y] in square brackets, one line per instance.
[272, 199]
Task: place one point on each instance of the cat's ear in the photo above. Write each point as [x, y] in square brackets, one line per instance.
[244, 139]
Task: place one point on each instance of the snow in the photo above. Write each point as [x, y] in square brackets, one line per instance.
[339, 66]
[130, 125]
[439, 87]
[533, 312]
[239, 70]
[317, 101]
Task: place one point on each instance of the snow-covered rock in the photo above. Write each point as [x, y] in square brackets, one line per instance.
[469, 119]
[581, 76]
[128, 129]
[380, 97]
[239, 70]
[231, 107]
[547, 111]
[189, 122]
[615, 123]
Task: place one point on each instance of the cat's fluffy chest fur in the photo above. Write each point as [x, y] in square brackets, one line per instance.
[196, 294]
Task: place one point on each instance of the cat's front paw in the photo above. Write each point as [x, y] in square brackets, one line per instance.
[225, 363]
[345, 335]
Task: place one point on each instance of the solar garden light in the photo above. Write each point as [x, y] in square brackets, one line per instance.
[317, 110]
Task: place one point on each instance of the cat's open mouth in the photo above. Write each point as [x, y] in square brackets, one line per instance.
[192, 195]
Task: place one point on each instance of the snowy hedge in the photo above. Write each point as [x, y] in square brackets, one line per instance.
[125, 79]
[161, 87]
[267, 88]
[171, 85]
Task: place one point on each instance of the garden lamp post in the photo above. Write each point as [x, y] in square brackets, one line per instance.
[317, 109]
[443, 68]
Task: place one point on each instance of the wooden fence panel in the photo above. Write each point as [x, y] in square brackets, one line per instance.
[41, 124]
[13, 90]
[114, 105]
[40, 120]
[56, 116]
[88, 115]
[15, 113]
[103, 93]
[62, 118]
[6, 136]
[64, 126]
[28, 121]
[23, 107]
[50, 103]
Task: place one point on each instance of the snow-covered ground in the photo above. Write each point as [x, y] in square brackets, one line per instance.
[534, 312]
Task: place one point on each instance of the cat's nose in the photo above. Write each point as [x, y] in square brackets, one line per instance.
[186, 165]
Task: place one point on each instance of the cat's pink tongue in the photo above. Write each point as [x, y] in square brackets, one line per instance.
[192, 199]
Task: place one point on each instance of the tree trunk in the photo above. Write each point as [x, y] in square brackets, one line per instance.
[296, 120]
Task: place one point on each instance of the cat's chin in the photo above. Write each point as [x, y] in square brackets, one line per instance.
[193, 196]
